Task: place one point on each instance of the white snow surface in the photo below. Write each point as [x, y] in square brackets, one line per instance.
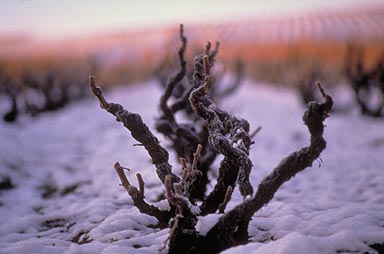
[336, 206]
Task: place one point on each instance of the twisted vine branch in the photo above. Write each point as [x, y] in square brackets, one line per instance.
[139, 131]
[232, 228]
[236, 165]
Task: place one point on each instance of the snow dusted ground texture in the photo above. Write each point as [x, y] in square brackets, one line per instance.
[67, 199]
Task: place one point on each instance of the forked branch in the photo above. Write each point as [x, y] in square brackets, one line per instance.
[137, 196]
[232, 227]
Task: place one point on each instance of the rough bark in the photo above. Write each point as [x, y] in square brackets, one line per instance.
[139, 131]
[137, 196]
[183, 236]
[228, 136]
[187, 136]
[232, 228]
[217, 132]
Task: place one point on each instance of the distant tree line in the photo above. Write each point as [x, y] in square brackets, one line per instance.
[39, 87]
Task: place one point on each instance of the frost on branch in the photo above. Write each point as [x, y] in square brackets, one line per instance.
[139, 131]
[232, 227]
[227, 135]
[137, 196]
[186, 136]
[211, 131]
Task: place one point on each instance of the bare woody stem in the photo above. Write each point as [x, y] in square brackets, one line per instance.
[183, 163]
[191, 175]
[254, 133]
[123, 178]
[224, 132]
[175, 198]
[168, 114]
[207, 66]
[234, 224]
[196, 156]
[183, 235]
[137, 196]
[141, 183]
[227, 197]
[139, 131]
[212, 54]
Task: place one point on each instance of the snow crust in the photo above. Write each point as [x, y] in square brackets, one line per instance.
[205, 223]
[67, 197]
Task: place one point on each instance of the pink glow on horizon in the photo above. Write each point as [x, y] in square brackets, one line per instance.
[50, 18]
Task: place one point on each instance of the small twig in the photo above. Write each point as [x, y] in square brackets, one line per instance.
[208, 48]
[254, 133]
[227, 197]
[196, 156]
[123, 178]
[328, 104]
[128, 169]
[132, 191]
[183, 163]
[98, 92]
[207, 67]
[321, 89]
[174, 198]
[138, 197]
[214, 52]
[141, 183]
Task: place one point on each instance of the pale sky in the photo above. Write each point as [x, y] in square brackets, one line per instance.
[60, 18]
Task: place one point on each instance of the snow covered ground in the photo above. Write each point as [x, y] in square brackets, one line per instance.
[67, 199]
